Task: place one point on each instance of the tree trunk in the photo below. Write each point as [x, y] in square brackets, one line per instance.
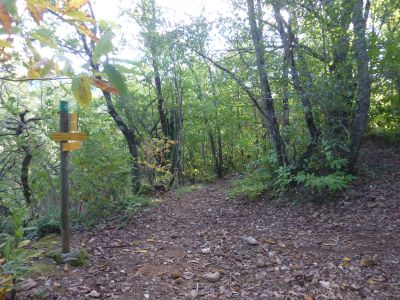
[266, 94]
[360, 119]
[218, 158]
[177, 151]
[157, 78]
[26, 189]
[288, 41]
[130, 138]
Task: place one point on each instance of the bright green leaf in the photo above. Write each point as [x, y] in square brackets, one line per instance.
[116, 78]
[104, 46]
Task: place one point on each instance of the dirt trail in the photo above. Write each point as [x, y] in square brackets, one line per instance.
[346, 250]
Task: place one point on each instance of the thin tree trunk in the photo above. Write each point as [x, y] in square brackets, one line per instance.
[157, 78]
[26, 189]
[363, 93]
[130, 138]
[218, 158]
[266, 94]
[177, 153]
[288, 40]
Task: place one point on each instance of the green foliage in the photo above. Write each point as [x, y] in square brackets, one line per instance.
[116, 78]
[332, 182]
[103, 46]
[12, 248]
[258, 179]
[48, 223]
[183, 190]
[263, 175]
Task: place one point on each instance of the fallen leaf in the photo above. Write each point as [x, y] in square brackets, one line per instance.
[368, 262]
[141, 251]
[345, 261]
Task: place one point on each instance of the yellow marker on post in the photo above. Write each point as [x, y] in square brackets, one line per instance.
[71, 146]
[73, 121]
[68, 136]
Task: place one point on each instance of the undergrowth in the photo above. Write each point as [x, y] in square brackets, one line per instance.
[263, 175]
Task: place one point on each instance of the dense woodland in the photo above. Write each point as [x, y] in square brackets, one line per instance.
[273, 95]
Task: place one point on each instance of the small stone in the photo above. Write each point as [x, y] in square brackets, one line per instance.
[125, 289]
[193, 293]
[179, 281]
[251, 241]
[355, 287]
[28, 285]
[262, 263]
[271, 254]
[325, 284]
[175, 274]
[295, 267]
[94, 294]
[188, 275]
[212, 276]
[147, 296]
[206, 250]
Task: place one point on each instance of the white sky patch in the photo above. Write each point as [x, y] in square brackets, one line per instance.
[178, 10]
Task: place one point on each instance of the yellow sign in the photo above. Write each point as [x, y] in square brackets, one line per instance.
[71, 146]
[73, 121]
[68, 136]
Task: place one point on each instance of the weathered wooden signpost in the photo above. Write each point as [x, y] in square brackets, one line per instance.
[69, 140]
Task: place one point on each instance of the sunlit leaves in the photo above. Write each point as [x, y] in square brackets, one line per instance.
[104, 46]
[37, 11]
[116, 78]
[5, 44]
[76, 4]
[5, 18]
[82, 90]
[45, 37]
[11, 7]
[82, 28]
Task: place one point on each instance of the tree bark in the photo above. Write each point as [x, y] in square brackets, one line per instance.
[130, 138]
[157, 78]
[363, 92]
[266, 94]
[218, 158]
[26, 189]
[288, 41]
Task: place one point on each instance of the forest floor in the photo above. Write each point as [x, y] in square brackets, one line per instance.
[205, 245]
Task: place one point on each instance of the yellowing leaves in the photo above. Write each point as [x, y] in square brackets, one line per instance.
[5, 44]
[345, 261]
[82, 28]
[36, 11]
[104, 86]
[76, 4]
[82, 90]
[5, 18]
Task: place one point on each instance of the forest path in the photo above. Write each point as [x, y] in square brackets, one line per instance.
[344, 250]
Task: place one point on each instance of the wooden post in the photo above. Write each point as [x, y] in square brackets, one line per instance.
[64, 160]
